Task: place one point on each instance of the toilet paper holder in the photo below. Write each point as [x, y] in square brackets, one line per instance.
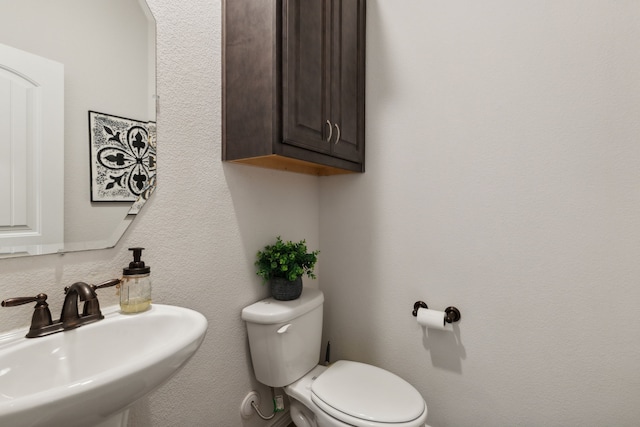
[452, 314]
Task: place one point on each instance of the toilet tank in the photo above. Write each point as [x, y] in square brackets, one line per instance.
[285, 337]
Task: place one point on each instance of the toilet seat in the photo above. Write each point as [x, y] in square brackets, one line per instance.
[367, 396]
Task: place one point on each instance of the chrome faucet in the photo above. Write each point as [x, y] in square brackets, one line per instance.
[70, 318]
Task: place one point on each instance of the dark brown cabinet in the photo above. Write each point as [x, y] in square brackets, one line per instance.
[293, 84]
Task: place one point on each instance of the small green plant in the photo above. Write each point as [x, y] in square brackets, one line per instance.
[286, 259]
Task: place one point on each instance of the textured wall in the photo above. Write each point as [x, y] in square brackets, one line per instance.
[201, 230]
[502, 177]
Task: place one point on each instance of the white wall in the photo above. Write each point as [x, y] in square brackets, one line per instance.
[502, 178]
[201, 229]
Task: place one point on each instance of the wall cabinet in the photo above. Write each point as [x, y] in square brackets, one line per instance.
[293, 84]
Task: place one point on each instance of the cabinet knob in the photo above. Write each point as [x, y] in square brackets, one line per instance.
[337, 137]
[330, 131]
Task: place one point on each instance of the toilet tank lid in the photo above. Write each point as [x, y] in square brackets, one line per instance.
[270, 311]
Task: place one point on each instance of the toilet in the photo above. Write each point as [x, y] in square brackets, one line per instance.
[285, 339]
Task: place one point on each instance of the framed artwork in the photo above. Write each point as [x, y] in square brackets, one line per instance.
[123, 158]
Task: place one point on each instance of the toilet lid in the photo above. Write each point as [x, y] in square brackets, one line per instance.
[367, 393]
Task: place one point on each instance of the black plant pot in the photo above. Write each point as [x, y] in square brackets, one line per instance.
[285, 290]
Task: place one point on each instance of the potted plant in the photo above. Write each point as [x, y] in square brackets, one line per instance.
[283, 264]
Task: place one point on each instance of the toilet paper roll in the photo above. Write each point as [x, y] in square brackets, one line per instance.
[433, 319]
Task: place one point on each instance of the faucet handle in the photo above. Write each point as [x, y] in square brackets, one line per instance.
[12, 302]
[106, 284]
[41, 314]
[93, 306]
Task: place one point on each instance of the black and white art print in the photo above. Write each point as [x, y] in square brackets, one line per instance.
[123, 158]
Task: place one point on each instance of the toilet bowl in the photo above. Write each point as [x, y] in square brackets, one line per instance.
[348, 394]
[284, 340]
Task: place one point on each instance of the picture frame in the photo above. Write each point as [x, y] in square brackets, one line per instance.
[122, 157]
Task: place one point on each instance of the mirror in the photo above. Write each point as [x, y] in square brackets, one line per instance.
[106, 51]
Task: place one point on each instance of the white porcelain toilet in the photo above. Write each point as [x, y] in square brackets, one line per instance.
[285, 338]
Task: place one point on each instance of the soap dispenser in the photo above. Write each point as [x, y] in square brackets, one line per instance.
[135, 287]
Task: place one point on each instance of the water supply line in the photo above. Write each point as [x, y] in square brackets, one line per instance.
[278, 406]
[255, 408]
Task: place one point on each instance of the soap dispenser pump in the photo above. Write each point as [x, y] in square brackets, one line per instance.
[135, 287]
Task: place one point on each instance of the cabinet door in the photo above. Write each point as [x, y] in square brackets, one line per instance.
[347, 79]
[306, 87]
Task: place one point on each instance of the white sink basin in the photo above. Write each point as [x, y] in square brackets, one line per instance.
[89, 376]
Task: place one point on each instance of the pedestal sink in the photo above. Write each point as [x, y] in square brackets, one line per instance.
[90, 376]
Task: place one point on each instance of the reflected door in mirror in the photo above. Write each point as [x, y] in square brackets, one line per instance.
[31, 152]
